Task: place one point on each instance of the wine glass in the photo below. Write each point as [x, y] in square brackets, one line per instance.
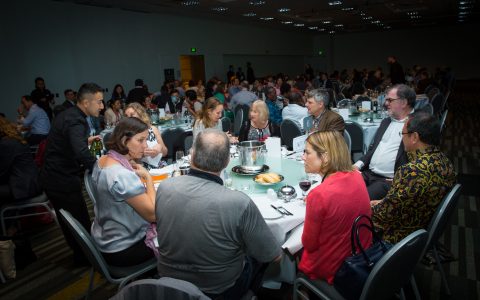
[305, 185]
[227, 179]
[179, 158]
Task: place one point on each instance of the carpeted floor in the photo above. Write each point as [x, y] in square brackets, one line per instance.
[53, 275]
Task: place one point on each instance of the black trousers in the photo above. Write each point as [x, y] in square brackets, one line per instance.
[138, 253]
[35, 139]
[377, 186]
[74, 203]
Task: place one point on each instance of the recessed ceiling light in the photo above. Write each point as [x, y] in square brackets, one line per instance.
[464, 2]
[375, 22]
[347, 8]
[321, 29]
[362, 13]
[313, 27]
[332, 32]
[332, 3]
[282, 10]
[220, 9]
[327, 22]
[299, 25]
[257, 2]
[266, 18]
[463, 12]
[367, 18]
[338, 25]
[287, 22]
[250, 14]
[387, 27]
[190, 3]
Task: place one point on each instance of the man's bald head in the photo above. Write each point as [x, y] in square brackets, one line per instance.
[211, 151]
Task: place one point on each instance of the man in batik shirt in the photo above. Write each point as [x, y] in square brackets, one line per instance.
[418, 186]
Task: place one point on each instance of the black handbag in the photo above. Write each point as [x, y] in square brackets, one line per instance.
[352, 274]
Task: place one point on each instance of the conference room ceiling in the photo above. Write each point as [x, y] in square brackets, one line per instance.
[314, 16]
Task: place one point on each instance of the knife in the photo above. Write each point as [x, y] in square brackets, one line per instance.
[282, 210]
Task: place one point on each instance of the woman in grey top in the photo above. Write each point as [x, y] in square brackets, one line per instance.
[125, 206]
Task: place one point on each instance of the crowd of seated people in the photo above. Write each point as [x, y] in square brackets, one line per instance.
[399, 181]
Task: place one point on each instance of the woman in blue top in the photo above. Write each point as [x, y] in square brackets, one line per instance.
[125, 204]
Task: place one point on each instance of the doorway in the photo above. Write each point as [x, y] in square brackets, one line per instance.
[192, 67]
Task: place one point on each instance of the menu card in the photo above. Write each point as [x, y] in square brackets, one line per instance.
[367, 105]
[273, 146]
[161, 112]
[343, 112]
[299, 143]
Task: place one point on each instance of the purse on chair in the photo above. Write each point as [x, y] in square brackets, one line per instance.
[352, 274]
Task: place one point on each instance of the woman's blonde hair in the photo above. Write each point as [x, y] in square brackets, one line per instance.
[262, 109]
[9, 130]
[209, 105]
[333, 144]
[140, 111]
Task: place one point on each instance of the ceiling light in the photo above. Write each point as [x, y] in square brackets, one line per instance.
[362, 13]
[220, 9]
[463, 12]
[299, 25]
[282, 10]
[190, 3]
[375, 22]
[332, 32]
[266, 18]
[321, 29]
[464, 2]
[367, 18]
[313, 27]
[464, 7]
[250, 14]
[387, 27]
[332, 3]
[338, 25]
[257, 2]
[287, 22]
[326, 22]
[347, 8]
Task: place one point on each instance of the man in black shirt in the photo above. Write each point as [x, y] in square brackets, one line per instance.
[42, 97]
[396, 71]
[138, 93]
[67, 155]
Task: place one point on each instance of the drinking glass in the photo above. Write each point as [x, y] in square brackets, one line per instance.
[305, 184]
[179, 158]
[227, 179]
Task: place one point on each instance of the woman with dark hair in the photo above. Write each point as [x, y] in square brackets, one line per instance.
[209, 117]
[126, 196]
[114, 113]
[119, 93]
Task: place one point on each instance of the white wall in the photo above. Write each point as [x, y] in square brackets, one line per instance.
[69, 44]
[431, 47]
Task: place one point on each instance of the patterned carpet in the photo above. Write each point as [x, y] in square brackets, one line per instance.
[53, 275]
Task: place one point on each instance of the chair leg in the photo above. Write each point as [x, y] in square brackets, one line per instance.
[413, 284]
[90, 284]
[402, 294]
[442, 272]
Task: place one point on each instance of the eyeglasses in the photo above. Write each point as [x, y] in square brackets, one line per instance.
[392, 99]
[402, 133]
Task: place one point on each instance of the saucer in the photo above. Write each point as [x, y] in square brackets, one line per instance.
[238, 170]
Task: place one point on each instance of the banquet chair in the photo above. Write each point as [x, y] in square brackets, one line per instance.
[388, 276]
[438, 103]
[163, 288]
[348, 141]
[113, 274]
[289, 130]
[343, 103]
[106, 137]
[174, 140]
[427, 108]
[443, 118]
[356, 135]
[187, 143]
[2, 278]
[438, 224]
[238, 121]
[37, 201]
[87, 179]
[226, 124]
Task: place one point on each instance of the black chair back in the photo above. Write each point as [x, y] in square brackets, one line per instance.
[188, 142]
[356, 135]
[226, 124]
[238, 121]
[438, 102]
[394, 270]
[174, 140]
[289, 130]
[87, 179]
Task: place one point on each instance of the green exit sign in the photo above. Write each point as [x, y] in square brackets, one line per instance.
[193, 49]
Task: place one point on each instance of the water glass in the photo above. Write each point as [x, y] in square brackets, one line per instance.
[179, 158]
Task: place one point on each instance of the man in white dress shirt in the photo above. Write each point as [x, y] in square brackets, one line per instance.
[386, 153]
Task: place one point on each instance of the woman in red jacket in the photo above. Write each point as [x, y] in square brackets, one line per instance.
[332, 206]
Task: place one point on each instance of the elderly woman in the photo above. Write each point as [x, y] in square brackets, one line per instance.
[332, 206]
[114, 113]
[156, 148]
[125, 206]
[258, 127]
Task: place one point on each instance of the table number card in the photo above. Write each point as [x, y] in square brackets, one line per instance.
[343, 112]
[299, 143]
[273, 146]
[367, 105]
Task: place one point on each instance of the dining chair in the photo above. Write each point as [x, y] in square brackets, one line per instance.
[238, 121]
[174, 140]
[389, 275]
[443, 118]
[226, 124]
[357, 148]
[40, 201]
[87, 179]
[348, 141]
[188, 142]
[162, 288]
[113, 274]
[438, 102]
[289, 130]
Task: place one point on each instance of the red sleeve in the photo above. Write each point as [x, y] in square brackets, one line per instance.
[313, 222]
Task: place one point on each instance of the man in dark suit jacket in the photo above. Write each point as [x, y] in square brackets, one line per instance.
[69, 102]
[138, 93]
[387, 153]
[323, 118]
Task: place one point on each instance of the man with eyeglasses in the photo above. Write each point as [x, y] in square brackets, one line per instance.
[386, 153]
[418, 186]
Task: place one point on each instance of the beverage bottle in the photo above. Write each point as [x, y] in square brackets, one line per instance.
[375, 106]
